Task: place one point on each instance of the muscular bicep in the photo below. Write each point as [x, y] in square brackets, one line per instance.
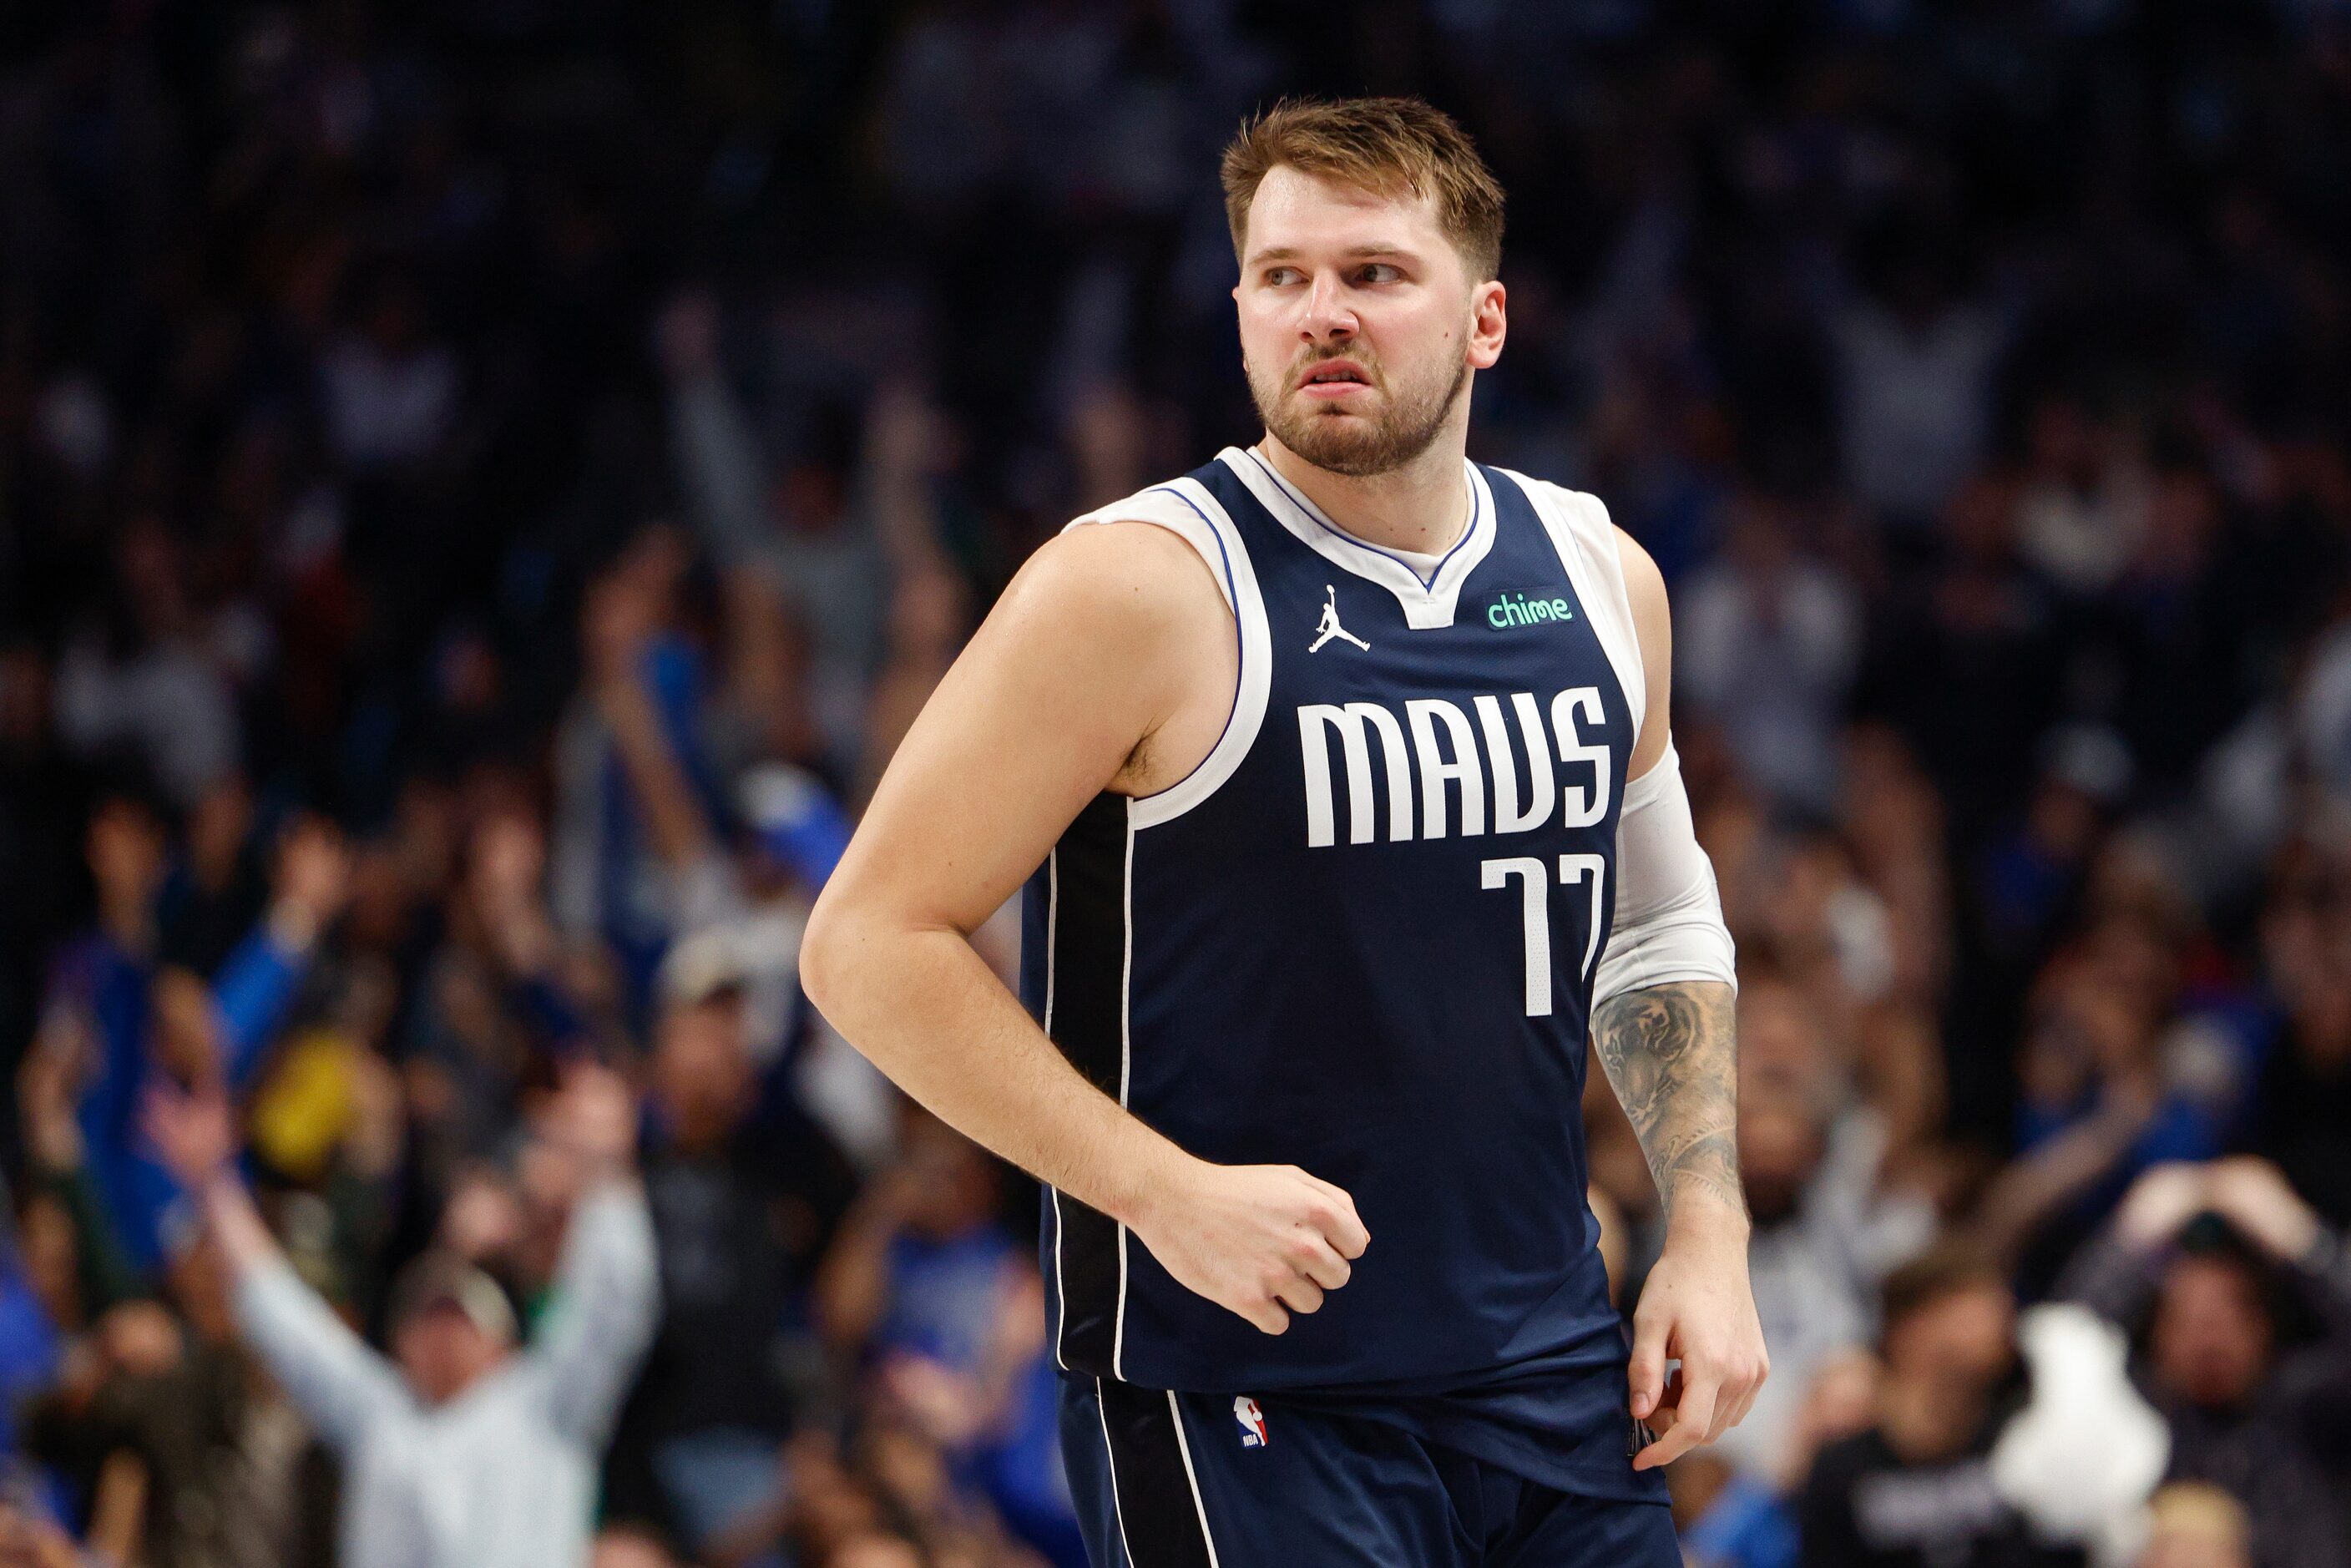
[1105, 644]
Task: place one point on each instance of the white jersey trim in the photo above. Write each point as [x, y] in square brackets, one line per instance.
[1110, 1453]
[1199, 1503]
[1125, 1071]
[1587, 542]
[1053, 923]
[1425, 604]
[1186, 509]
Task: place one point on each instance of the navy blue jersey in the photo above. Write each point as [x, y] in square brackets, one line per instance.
[1361, 939]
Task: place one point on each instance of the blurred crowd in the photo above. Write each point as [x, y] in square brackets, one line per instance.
[484, 487]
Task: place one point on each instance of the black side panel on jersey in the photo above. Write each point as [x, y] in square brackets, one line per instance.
[1086, 1017]
[1158, 1504]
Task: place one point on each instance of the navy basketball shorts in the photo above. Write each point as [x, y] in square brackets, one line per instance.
[1203, 1480]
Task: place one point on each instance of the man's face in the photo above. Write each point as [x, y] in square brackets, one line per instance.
[2211, 1345]
[953, 1183]
[1779, 1149]
[126, 851]
[702, 1069]
[1366, 292]
[442, 1354]
[1965, 1341]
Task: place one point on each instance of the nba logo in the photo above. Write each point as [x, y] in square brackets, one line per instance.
[1252, 1420]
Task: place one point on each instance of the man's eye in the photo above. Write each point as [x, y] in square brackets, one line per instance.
[1380, 272]
[1281, 276]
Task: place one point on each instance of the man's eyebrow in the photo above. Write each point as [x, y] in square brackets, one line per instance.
[1353, 253]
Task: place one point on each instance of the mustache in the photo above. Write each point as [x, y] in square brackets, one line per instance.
[1306, 361]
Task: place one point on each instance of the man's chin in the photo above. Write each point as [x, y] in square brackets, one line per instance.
[1357, 453]
[1326, 434]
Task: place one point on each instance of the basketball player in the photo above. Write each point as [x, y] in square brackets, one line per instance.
[1343, 769]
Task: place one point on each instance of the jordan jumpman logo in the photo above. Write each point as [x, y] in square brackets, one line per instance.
[1331, 627]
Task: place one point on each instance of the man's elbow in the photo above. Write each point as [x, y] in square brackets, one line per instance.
[823, 957]
[836, 951]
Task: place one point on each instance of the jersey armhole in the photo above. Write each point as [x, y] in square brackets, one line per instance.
[1587, 542]
[1186, 509]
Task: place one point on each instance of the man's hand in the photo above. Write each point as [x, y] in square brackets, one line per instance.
[1263, 1241]
[2165, 1198]
[594, 1120]
[1670, 1054]
[49, 1084]
[622, 612]
[2254, 1196]
[509, 866]
[193, 1130]
[312, 882]
[1697, 1307]
[195, 1133]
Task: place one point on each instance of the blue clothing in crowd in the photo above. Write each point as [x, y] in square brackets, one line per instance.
[251, 994]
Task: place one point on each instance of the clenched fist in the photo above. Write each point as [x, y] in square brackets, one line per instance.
[1260, 1240]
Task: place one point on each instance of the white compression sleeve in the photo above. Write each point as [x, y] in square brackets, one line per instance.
[1668, 922]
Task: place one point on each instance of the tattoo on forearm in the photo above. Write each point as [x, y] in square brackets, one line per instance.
[1671, 1052]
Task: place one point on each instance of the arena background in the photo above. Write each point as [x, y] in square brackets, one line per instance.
[485, 482]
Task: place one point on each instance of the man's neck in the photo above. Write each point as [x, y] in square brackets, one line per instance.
[1422, 505]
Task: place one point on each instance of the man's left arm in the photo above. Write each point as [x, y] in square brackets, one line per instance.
[1663, 1026]
[607, 1298]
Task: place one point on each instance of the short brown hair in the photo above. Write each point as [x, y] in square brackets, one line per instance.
[1386, 145]
[1947, 1269]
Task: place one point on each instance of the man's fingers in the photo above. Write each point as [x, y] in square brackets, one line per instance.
[1646, 1374]
[1300, 1294]
[1343, 1228]
[1745, 1403]
[1740, 1388]
[1666, 1449]
[1266, 1315]
[1701, 1398]
[1692, 1422]
[1326, 1267]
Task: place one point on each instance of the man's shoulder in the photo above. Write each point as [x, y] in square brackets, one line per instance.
[1177, 501]
[1131, 555]
[1119, 565]
[1564, 502]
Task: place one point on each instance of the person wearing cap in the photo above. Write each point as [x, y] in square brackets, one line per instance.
[463, 1449]
[745, 1191]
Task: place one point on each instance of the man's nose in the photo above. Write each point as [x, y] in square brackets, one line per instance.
[1329, 317]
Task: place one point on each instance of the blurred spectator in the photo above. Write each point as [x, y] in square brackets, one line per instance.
[2206, 1262]
[2195, 1526]
[1729, 1520]
[2305, 1094]
[391, 390]
[119, 1020]
[634, 857]
[1917, 1487]
[1915, 360]
[743, 1204]
[1766, 644]
[141, 682]
[925, 1292]
[1825, 1233]
[2081, 505]
[462, 1448]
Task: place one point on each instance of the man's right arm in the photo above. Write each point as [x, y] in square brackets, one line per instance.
[341, 1385]
[1098, 669]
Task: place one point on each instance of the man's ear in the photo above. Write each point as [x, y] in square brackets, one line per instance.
[1489, 323]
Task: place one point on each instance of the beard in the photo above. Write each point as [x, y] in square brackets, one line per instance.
[1350, 444]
